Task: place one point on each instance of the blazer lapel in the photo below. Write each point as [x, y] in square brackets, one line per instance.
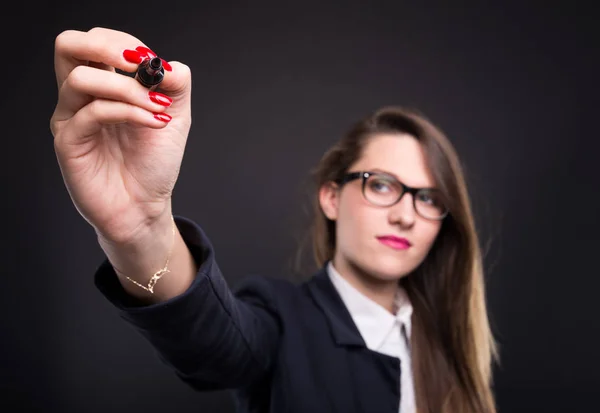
[359, 380]
[343, 329]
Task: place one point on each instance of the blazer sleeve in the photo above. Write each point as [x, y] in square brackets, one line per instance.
[212, 337]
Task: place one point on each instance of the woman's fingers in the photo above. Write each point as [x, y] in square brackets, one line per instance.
[85, 83]
[178, 80]
[105, 47]
[100, 112]
[85, 65]
[178, 84]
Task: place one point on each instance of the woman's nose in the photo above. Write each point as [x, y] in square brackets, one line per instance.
[403, 212]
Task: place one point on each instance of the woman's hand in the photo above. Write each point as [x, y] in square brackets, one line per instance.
[119, 146]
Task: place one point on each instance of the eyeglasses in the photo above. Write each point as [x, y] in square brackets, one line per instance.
[384, 190]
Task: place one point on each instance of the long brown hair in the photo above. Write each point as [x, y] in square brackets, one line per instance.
[452, 343]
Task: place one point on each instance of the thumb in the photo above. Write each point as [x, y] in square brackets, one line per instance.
[177, 83]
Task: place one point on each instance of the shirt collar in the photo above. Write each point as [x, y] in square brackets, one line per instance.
[372, 320]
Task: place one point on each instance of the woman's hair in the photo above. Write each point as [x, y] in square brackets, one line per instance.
[452, 343]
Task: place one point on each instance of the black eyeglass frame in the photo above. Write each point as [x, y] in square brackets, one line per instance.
[405, 188]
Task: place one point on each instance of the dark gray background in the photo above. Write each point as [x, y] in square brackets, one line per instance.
[514, 86]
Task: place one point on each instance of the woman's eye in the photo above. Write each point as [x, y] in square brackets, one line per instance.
[380, 186]
[426, 198]
[429, 198]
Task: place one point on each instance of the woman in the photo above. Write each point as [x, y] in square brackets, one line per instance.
[393, 320]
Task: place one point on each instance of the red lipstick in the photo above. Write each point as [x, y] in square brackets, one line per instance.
[397, 243]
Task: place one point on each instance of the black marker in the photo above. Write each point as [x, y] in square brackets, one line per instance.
[150, 72]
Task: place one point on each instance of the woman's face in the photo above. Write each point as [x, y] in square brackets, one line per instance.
[362, 228]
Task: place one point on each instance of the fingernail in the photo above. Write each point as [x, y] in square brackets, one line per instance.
[145, 51]
[133, 56]
[166, 65]
[163, 117]
[159, 98]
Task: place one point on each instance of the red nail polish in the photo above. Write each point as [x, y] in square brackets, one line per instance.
[133, 56]
[145, 51]
[162, 116]
[166, 65]
[159, 98]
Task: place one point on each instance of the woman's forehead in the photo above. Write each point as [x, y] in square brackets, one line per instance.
[400, 155]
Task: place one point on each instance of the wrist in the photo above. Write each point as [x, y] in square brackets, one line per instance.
[133, 228]
[145, 252]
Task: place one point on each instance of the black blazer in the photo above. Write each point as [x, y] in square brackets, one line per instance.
[279, 346]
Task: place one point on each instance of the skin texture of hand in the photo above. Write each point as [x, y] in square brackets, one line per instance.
[118, 144]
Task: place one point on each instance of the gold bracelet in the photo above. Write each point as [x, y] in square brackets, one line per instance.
[158, 274]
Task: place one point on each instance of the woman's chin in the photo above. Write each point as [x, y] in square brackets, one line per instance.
[388, 269]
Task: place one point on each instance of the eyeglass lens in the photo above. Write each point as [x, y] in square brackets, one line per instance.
[383, 191]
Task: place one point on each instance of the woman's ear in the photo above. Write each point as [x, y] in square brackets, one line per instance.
[329, 200]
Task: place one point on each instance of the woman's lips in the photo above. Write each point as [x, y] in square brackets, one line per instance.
[397, 243]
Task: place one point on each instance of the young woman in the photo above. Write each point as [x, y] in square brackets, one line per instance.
[394, 319]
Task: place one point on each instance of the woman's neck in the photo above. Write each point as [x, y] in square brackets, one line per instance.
[382, 292]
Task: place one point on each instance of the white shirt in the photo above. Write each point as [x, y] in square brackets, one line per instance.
[382, 331]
